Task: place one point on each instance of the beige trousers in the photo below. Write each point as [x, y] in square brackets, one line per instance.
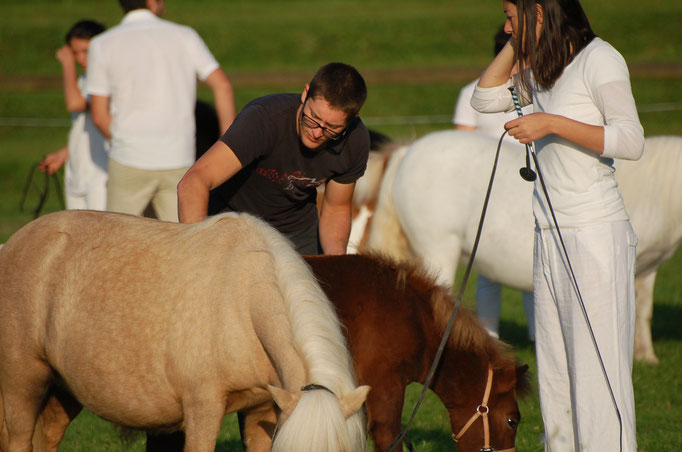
[130, 190]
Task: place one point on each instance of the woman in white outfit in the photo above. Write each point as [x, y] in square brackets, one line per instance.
[86, 158]
[584, 117]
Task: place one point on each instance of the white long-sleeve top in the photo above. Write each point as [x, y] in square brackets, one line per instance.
[594, 89]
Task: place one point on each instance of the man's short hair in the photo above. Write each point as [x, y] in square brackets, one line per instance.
[84, 29]
[129, 5]
[341, 85]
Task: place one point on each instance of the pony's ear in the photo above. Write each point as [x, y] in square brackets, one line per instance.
[523, 387]
[285, 400]
[521, 370]
[350, 403]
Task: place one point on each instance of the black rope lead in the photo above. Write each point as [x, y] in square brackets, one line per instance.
[42, 192]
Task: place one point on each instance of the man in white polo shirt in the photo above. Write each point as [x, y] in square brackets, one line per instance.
[142, 81]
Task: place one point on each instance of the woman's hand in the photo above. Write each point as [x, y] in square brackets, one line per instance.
[65, 55]
[531, 127]
[534, 126]
[52, 162]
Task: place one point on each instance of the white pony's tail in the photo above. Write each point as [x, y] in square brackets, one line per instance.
[386, 234]
[317, 424]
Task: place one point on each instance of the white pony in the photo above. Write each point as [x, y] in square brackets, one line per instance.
[432, 193]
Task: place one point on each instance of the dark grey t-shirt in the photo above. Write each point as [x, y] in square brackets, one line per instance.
[280, 176]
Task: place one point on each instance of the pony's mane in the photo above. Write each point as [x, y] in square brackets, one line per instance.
[467, 333]
[317, 335]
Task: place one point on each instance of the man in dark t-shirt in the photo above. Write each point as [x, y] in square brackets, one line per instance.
[276, 153]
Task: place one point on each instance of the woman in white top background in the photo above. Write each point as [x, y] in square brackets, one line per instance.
[584, 116]
[85, 181]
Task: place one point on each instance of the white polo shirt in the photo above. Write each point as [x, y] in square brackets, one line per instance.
[148, 68]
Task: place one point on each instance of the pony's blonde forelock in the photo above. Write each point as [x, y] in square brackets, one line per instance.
[317, 336]
[328, 432]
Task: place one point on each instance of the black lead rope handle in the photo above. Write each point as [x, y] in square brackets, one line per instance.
[42, 194]
[526, 173]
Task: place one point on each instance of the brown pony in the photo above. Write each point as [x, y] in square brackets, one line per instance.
[166, 326]
[394, 315]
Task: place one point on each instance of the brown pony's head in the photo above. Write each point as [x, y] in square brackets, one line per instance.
[478, 379]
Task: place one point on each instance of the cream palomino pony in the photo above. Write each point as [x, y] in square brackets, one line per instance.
[120, 314]
[432, 193]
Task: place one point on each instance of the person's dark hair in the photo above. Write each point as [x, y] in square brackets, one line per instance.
[129, 5]
[501, 38]
[565, 32]
[84, 29]
[341, 85]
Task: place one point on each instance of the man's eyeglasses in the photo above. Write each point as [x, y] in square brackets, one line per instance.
[312, 124]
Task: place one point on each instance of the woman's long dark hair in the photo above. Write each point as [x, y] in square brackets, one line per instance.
[565, 32]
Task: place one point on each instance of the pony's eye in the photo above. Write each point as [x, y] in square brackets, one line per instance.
[512, 423]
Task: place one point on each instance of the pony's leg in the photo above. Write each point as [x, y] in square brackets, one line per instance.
[529, 309]
[489, 304]
[22, 393]
[384, 407]
[256, 426]
[644, 307]
[59, 410]
[202, 423]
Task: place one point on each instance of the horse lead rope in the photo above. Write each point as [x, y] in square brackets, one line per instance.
[42, 196]
[530, 149]
[458, 302]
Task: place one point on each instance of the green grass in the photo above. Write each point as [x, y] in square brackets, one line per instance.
[295, 37]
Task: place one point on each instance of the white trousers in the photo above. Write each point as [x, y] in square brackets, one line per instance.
[94, 199]
[577, 408]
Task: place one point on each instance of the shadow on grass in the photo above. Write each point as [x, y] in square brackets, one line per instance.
[514, 334]
[229, 446]
[437, 440]
[665, 323]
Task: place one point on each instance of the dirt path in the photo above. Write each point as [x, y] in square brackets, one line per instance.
[383, 76]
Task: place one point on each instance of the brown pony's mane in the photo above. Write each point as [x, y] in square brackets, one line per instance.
[467, 333]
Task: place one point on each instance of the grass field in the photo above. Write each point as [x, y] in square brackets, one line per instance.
[416, 55]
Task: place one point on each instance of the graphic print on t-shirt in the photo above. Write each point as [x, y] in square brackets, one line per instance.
[288, 181]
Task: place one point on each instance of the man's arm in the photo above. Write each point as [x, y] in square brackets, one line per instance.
[99, 108]
[223, 97]
[335, 217]
[216, 166]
